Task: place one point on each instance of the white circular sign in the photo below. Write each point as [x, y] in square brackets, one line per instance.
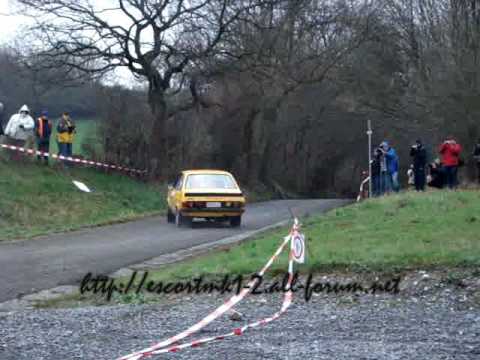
[298, 246]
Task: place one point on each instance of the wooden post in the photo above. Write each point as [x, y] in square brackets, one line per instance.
[369, 133]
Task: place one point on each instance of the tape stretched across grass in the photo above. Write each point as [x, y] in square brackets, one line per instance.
[170, 344]
[73, 160]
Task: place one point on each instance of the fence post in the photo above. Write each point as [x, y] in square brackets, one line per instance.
[369, 133]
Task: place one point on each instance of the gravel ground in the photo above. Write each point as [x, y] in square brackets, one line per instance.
[429, 319]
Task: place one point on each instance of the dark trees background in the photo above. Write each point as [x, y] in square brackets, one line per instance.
[409, 66]
[283, 96]
[21, 84]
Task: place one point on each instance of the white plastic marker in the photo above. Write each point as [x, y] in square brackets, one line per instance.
[74, 160]
[81, 186]
[170, 345]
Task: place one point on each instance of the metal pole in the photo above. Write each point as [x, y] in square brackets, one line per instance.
[369, 133]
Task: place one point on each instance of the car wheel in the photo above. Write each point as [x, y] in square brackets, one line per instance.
[181, 220]
[235, 221]
[178, 219]
[170, 216]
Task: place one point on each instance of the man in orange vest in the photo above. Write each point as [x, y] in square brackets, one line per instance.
[43, 130]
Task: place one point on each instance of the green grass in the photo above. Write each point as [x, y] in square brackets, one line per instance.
[391, 234]
[397, 232]
[38, 200]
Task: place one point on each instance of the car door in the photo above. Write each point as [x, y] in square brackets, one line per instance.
[175, 193]
[172, 192]
[177, 196]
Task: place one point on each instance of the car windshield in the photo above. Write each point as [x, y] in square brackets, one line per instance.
[210, 181]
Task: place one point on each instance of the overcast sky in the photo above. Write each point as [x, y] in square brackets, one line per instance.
[9, 25]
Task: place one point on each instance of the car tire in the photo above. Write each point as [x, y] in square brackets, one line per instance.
[181, 220]
[170, 216]
[235, 221]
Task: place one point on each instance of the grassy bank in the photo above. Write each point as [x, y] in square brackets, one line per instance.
[396, 233]
[37, 200]
[401, 231]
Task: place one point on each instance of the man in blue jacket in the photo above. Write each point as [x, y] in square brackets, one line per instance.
[392, 167]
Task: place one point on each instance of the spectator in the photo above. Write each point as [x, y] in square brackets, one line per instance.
[476, 157]
[385, 179]
[66, 133]
[436, 178]
[391, 174]
[419, 155]
[450, 151]
[376, 173]
[43, 131]
[19, 129]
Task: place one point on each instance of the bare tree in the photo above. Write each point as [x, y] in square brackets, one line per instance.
[157, 40]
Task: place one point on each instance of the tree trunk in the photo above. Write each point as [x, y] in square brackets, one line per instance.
[158, 141]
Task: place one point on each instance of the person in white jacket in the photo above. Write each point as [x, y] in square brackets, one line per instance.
[19, 128]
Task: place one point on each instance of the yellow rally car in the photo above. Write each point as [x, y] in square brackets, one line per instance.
[208, 194]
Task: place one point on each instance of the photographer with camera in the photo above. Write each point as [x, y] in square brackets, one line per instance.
[377, 187]
[419, 155]
[450, 151]
[390, 172]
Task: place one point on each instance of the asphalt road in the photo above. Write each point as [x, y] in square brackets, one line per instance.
[46, 262]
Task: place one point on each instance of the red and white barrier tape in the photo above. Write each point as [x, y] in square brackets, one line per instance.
[170, 345]
[360, 194]
[72, 159]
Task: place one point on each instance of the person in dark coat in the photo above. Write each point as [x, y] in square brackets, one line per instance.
[419, 155]
[376, 174]
[437, 176]
[476, 157]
